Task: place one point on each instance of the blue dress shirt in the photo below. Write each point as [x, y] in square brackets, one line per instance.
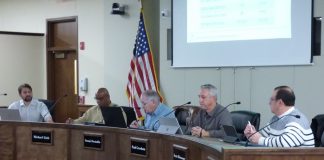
[151, 120]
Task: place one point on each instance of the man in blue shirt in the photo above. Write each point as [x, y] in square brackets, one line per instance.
[154, 109]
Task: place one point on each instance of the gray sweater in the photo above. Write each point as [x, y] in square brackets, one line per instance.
[212, 121]
[289, 131]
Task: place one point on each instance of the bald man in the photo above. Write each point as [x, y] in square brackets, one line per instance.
[94, 114]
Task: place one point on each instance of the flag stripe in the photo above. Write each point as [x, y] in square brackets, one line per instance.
[151, 66]
[142, 75]
[146, 80]
[139, 71]
[148, 73]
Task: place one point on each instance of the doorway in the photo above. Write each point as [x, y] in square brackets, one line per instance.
[62, 66]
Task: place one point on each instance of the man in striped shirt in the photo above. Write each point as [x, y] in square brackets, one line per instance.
[289, 127]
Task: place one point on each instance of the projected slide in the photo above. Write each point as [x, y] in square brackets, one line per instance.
[227, 33]
[232, 20]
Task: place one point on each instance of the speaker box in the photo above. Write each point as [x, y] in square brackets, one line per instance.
[316, 36]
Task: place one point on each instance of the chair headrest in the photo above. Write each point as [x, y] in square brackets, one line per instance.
[48, 103]
[241, 118]
[182, 115]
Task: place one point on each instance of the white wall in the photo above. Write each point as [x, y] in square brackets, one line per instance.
[91, 25]
[109, 43]
[31, 15]
[21, 62]
[120, 32]
[27, 16]
[251, 86]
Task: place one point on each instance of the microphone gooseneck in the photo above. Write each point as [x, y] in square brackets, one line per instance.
[59, 99]
[227, 107]
[189, 102]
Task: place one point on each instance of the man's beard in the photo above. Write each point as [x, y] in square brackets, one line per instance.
[28, 98]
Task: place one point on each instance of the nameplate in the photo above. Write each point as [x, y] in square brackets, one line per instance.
[42, 137]
[180, 152]
[93, 141]
[139, 147]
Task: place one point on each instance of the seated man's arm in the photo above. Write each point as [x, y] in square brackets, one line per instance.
[46, 114]
[193, 122]
[49, 120]
[84, 118]
[292, 136]
[13, 106]
[225, 119]
[136, 124]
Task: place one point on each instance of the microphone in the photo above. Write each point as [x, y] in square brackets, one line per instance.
[3, 94]
[238, 102]
[189, 102]
[247, 142]
[227, 107]
[52, 107]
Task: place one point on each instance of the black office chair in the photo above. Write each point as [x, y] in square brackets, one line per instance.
[317, 127]
[240, 120]
[184, 115]
[49, 104]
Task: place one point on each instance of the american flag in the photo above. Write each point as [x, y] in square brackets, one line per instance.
[141, 76]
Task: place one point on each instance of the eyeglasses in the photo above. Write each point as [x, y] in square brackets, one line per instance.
[202, 96]
[145, 102]
[99, 98]
[272, 99]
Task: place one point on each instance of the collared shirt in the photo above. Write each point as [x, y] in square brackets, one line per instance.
[93, 115]
[36, 111]
[287, 112]
[151, 119]
[212, 121]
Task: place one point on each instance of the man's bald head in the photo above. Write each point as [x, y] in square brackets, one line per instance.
[103, 97]
[102, 92]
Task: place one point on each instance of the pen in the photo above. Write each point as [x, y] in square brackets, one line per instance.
[250, 125]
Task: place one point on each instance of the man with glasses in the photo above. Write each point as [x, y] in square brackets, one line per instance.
[154, 109]
[94, 114]
[208, 121]
[289, 127]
